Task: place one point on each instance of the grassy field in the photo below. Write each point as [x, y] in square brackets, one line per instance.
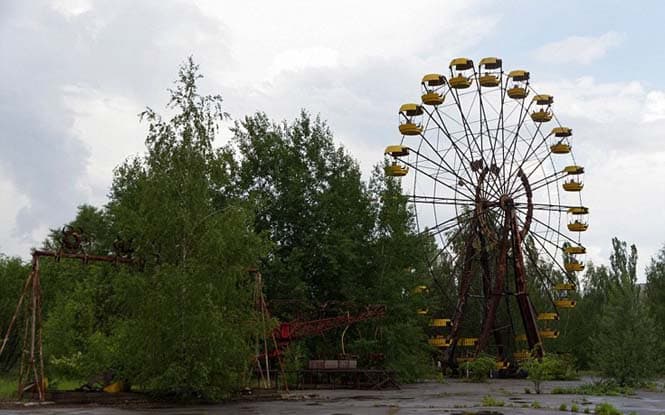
[8, 385]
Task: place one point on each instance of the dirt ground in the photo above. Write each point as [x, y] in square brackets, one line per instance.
[423, 398]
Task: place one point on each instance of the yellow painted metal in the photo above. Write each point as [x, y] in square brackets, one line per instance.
[520, 338]
[573, 266]
[422, 311]
[578, 226]
[549, 334]
[440, 322]
[519, 75]
[565, 303]
[521, 355]
[560, 148]
[502, 364]
[395, 170]
[459, 82]
[434, 79]
[409, 128]
[411, 109]
[438, 341]
[432, 98]
[573, 170]
[548, 316]
[397, 150]
[562, 131]
[517, 92]
[490, 63]
[573, 186]
[115, 387]
[467, 341]
[421, 289]
[541, 116]
[578, 210]
[564, 286]
[488, 80]
[543, 99]
[461, 64]
[574, 250]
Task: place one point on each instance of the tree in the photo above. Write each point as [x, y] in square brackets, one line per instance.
[182, 325]
[624, 344]
[655, 300]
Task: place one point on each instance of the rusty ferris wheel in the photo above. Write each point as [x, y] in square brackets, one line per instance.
[494, 179]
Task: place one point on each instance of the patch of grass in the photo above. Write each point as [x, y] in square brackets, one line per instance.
[489, 400]
[7, 388]
[574, 408]
[587, 411]
[606, 409]
[527, 391]
[536, 405]
[563, 407]
[606, 388]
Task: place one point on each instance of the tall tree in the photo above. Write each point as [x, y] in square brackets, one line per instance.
[655, 299]
[624, 344]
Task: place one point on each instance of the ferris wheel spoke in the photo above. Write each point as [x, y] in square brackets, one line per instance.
[526, 156]
[460, 154]
[448, 168]
[437, 180]
[556, 231]
[467, 128]
[512, 148]
[539, 272]
[546, 181]
[436, 200]
[449, 224]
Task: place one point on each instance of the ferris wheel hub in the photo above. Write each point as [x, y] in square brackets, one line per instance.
[506, 202]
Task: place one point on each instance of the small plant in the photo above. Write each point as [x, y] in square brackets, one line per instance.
[606, 409]
[574, 408]
[536, 405]
[489, 400]
[587, 411]
[480, 368]
[527, 391]
[563, 407]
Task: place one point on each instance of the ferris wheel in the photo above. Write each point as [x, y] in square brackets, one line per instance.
[494, 179]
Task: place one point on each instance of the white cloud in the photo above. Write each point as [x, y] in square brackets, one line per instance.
[579, 49]
[655, 106]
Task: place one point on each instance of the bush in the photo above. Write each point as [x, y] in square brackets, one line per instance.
[489, 400]
[574, 408]
[480, 368]
[550, 367]
[606, 409]
[563, 407]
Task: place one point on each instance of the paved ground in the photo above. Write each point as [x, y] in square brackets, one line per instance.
[424, 398]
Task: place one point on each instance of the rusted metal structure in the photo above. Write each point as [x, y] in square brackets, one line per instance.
[490, 182]
[73, 244]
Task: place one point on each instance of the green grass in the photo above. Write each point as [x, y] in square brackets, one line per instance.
[596, 389]
[8, 386]
[574, 408]
[606, 409]
[489, 400]
[563, 407]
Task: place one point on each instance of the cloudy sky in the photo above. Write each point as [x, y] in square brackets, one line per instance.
[74, 74]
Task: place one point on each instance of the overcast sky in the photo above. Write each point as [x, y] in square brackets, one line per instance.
[74, 74]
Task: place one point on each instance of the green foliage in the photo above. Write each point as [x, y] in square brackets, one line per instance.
[625, 340]
[480, 368]
[655, 302]
[606, 409]
[550, 367]
[602, 388]
[536, 405]
[574, 408]
[563, 407]
[489, 400]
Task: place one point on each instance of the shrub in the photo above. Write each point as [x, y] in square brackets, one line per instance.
[606, 409]
[489, 400]
[563, 407]
[480, 368]
[574, 408]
